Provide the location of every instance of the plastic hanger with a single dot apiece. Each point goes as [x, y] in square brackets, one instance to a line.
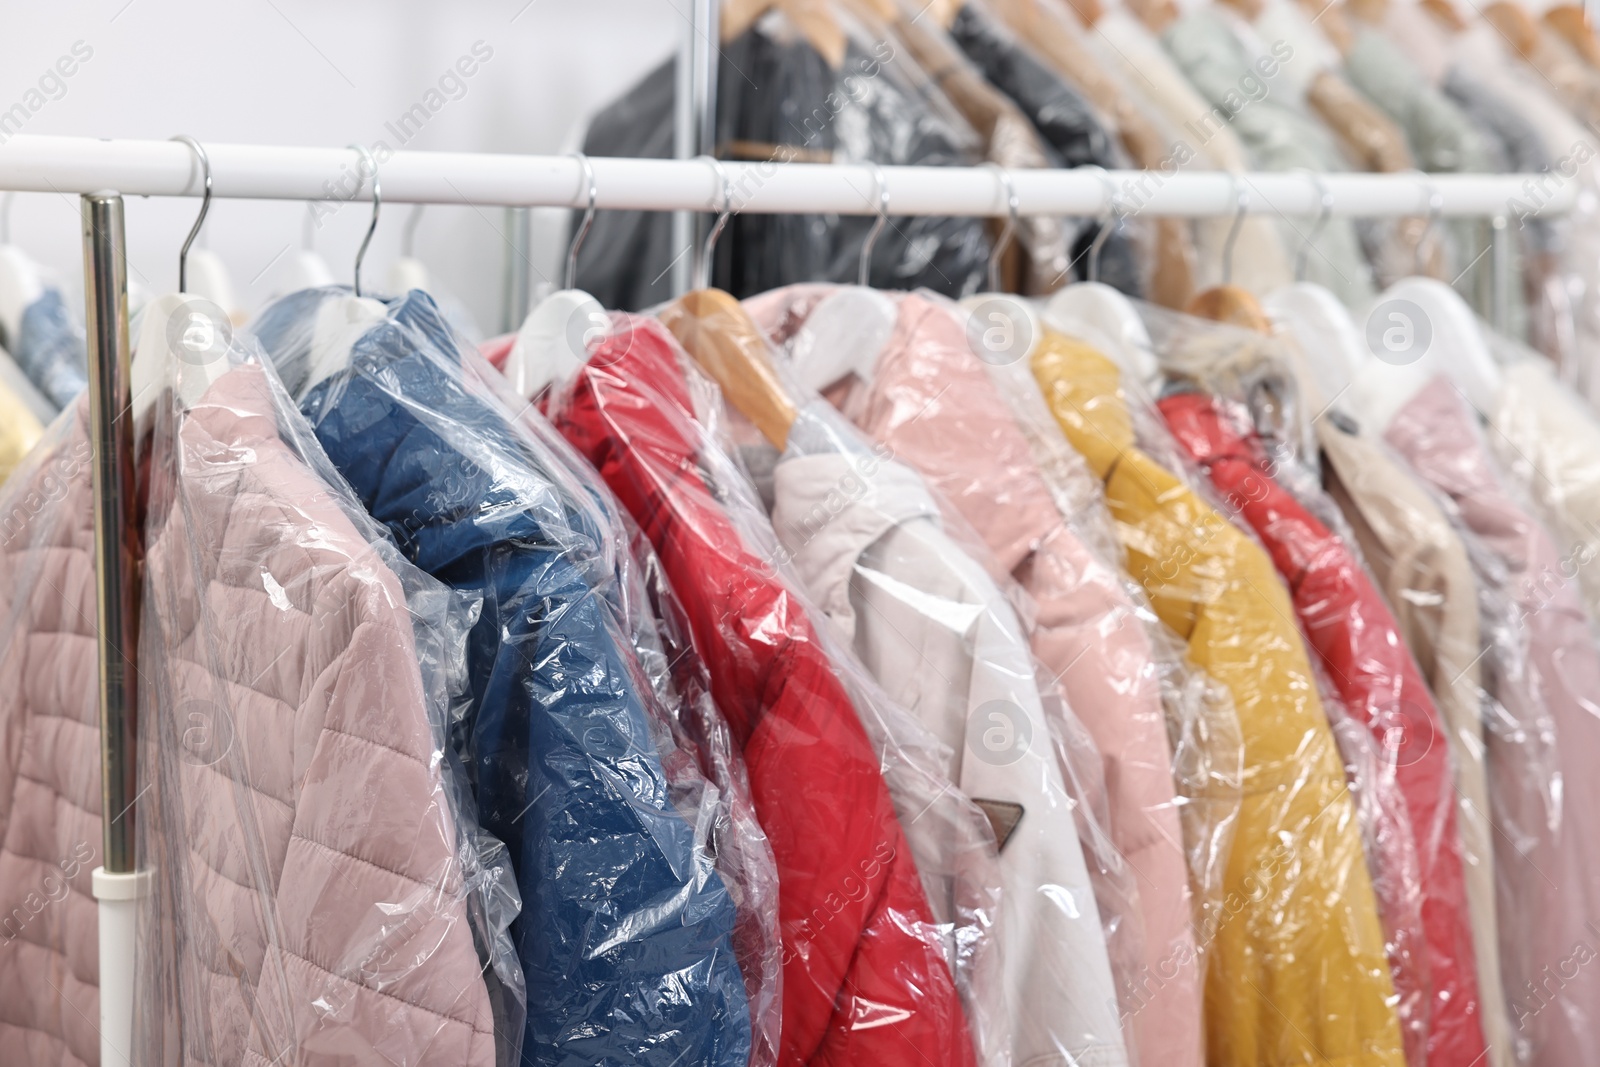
[1329, 352]
[1227, 302]
[179, 326]
[408, 272]
[848, 329]
[342, 320]
[996, 310]
[553, 343]
[21, 281]
[722, 338]
[1106, 316]
[1457, 350]
[212, 281]
[306, 268]
[1456, 346]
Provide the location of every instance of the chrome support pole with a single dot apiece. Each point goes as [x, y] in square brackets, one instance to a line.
[695, 128]
[117, 885]
[116, 536]
[1502, 272]
[517, 288]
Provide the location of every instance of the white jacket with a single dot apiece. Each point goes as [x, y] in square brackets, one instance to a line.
[866, 537]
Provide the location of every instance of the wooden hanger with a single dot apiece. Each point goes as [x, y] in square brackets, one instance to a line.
[1088, 12]
[815, 19]
[1249, 10]
[1369, 11]
[1515, 24]
[1061, 43]
[1227, 302]
[1156, 15]
[1570, 21]
[719, 335]
[1232, 305]
[1446, 13]
[1330, 18]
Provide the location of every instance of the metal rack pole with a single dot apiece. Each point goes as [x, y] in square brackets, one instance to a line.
[696, 125]
[1502, 272]
[116, 884]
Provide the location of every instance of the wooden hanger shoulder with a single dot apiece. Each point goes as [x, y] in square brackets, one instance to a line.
[722, 338]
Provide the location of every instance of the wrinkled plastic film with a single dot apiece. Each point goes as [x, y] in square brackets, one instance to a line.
[320, 885]
[1069, 124]
[710, 782]
[24, 413]
[889, 897]
[628, 930]
[50, 802]
[1543, 668]
[877, 106]
[1298, 888]
[1251, 434]
[1039, 261]
[1027, 497]
[894, 568]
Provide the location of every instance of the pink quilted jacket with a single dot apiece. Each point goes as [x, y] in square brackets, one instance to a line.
[298, 823]
[49, 757]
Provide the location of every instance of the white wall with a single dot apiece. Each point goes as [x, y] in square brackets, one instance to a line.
[321, 73]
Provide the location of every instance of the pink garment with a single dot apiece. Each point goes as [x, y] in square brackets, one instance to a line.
[50, 838]
[303, 840]
[933, 404]
[1549, 887]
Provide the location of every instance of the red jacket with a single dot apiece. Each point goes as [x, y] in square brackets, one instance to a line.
[1349, 626]
[865, 980]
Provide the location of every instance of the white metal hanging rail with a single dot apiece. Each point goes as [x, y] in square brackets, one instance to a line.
[167, 168]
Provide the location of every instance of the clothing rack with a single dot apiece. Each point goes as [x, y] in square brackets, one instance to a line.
[103, 172]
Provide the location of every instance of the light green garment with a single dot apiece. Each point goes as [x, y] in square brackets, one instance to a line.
[1443, 140]
[1277, 130]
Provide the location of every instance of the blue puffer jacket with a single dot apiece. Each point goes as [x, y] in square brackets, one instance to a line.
[49, 347]
[625, 931]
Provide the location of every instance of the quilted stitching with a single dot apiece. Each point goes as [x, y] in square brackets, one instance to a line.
[49, 758]
[330, 779]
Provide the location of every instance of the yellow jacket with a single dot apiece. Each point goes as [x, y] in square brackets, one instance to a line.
[19, 432]
[1298, 972]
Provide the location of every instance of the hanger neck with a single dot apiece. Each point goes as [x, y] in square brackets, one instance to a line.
[722, 338]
